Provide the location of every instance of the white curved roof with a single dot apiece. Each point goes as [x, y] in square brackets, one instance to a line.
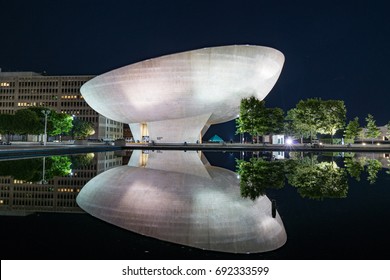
[187, 84]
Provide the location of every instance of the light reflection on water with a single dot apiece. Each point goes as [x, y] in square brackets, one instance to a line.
[331, 205]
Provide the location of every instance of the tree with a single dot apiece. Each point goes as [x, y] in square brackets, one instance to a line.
[82, 129]
[251, 110]
[319, 180]
[388, 131]
[274, 118]
[307, 116]
[332, 116]
[26, 122]
[58, 166]
[7, 125]
[256, 119]
[295, 127]
[353, 129]
[29, 169]
[257, 175]
[354, 166]
[57, 123]
[373, 167]
[372, 131]
[61, 123]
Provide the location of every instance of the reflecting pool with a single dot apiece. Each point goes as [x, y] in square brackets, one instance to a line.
[191, 205]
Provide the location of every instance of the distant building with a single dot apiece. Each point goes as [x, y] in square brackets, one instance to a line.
[19, 90]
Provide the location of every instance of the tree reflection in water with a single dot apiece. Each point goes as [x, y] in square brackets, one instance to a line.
[34, 169]
[257, 175]
[313, 179]
[356, 165]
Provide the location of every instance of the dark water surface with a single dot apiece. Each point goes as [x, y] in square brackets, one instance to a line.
[344, 215]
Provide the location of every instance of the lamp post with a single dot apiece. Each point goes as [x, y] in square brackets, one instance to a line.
[46, 113]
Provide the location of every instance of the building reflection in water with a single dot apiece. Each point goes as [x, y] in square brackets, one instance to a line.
[179, 197]
[29, 185]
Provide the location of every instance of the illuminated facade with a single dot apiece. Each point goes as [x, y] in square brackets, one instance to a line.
[175, 98]
[20, 90]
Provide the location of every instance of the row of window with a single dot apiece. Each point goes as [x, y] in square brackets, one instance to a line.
[74, 104]
[46, 84]
[7, 84]
[7, 111]
[6, 97]
[39, 84]
[7, 91]
[6, 104]
[34, 195]
[33, 104]
[34, 188]
[38, 97]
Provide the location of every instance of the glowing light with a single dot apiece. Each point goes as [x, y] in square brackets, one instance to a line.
[363, 144]
[289, 141]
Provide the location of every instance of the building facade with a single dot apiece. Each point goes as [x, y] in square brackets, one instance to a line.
[20, 90]
[176, 98]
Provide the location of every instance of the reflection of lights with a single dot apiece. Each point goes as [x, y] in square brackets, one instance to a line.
[378, 144]
[238, 176]
[289, 141]
[363, 144]
[1, 201]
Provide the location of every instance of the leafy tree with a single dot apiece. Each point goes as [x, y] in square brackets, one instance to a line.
[61, 123]
[319, 180]
[353, 129]
[256, 119]
[57, 123]
[257, 175]
[82, 129]
[274, 119]
[250, 112]
[7, 125]
[22, 169]
[57, 166]
[354, 167]
[373, 167]
[296, 127]
[333, 114]
[388, 131]
[313, 115]
[372, 131]
[26, 122]
[79, 161]
[307, 116]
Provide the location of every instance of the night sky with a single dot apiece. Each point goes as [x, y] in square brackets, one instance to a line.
[333, 49]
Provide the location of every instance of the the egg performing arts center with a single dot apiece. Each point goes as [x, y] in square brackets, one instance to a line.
[175, 98]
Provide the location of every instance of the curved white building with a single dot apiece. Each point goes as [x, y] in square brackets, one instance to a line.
[175, 98]
[179, 197]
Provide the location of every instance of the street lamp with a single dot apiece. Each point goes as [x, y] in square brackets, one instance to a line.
[46, 113]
